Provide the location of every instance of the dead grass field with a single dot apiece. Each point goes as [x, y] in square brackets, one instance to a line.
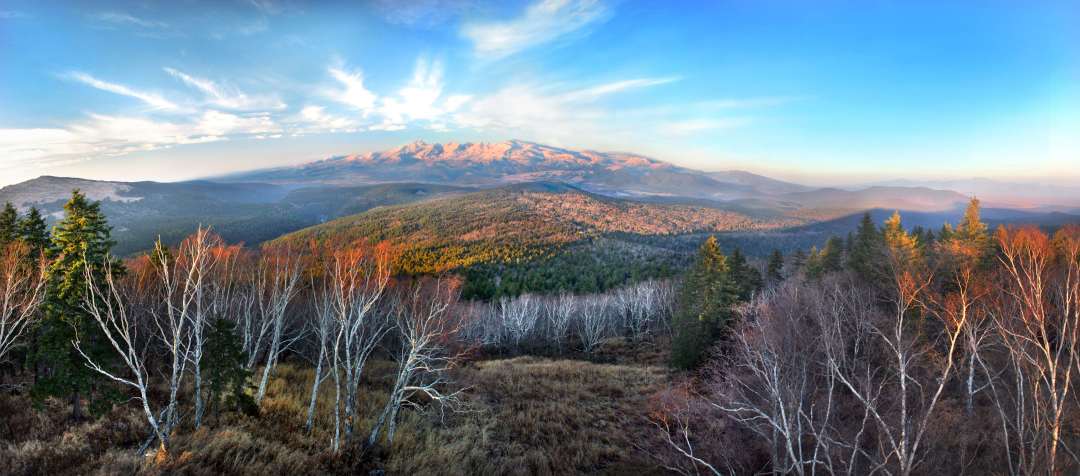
[522, 415]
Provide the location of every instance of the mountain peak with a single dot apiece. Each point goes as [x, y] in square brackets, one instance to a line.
[515, 161]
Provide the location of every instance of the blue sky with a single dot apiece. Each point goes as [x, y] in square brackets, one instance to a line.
[821, 92]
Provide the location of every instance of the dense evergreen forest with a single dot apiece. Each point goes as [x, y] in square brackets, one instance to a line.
[879, 349]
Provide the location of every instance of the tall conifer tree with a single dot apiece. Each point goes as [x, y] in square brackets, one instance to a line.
[775, 269]
[9, 224]
[705, 306]
[832, 257]
[864, 254]
[34, 231]
[82, 239]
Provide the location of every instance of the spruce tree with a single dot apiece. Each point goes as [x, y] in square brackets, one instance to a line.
[798, 259]
[705, 306]
[9, 224]
[225, 373]
[34, 231]
[864, 254]
[775, 269]
[814, 267]
[832, 257]
[746, 279]
[81, 240]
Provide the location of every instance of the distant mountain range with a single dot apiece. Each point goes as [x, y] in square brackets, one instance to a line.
[1040, 196]
[614, 174]
[263, 204]
[140, 212]
[484, 164]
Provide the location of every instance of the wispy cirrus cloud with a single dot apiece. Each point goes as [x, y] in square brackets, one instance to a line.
[123, 18]
[105, 135]
[542, 22]
[543, 110]
[596, 92]
[224, 96]
[554, 114]
[151, 99]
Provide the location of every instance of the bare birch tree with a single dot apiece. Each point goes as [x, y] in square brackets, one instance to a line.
[560, 311]
[105, 303]
[1038, 318]
[484, 325]
[277, 283]
[777, 384]
[172, 325]
[915, 380]
[519, 317]
[639, 305]
[356, 279]
[22, 288]
[594, 323]
[427, 330]
[324, 328]
[195, 263]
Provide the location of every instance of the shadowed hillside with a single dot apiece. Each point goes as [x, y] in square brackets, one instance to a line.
[140, 212]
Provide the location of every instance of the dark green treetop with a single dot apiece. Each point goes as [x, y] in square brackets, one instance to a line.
[80, 242]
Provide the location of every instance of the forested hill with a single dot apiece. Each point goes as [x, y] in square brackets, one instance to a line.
[527, 235]
[140, 212]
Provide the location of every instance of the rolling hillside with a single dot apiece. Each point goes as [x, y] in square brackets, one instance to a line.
[140, 212]
[493, 234]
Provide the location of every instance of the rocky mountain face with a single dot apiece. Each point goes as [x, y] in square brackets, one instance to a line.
[480, 164]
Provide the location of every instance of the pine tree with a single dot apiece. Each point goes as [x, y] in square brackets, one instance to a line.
[226, 372]
[746, 278]
[705, 306]
[814, 268]
[946, 233]
[775, 270]
[864, 254]
[798, 259]
[34, 231]
[832, 257]
[82, 239]
[9, 224]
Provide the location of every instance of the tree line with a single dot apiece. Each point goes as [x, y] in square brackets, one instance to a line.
[894, 353]
[196, 329]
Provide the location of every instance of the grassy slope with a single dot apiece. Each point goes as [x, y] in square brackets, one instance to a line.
[524, 415]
